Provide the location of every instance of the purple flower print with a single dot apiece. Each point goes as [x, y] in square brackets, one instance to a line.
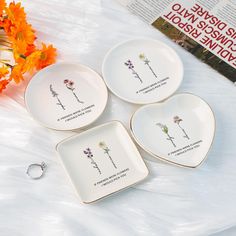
[130, 66]
[177, 120]
[89, 155]
[147, 62]
[55, 94]
[88, 152]
[70, 85]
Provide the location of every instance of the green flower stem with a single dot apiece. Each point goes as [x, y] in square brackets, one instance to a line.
[171, 139]
[152, 70]
[95, 165]
[77, 97]
[136, 75]
[185, 134]
[72, 90]
[59, 103]
[107, 152]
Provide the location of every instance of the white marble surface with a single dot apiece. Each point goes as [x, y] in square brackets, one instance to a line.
[172, 201]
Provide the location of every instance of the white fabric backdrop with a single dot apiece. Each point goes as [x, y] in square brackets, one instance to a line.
[172, 201]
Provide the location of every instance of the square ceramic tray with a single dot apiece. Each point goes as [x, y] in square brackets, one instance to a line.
[101, 161]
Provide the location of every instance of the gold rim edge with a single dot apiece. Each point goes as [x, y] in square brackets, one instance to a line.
[163, 158]
[98, 126]
[75, 129]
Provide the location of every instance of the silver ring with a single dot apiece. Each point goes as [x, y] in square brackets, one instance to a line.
[39, 167]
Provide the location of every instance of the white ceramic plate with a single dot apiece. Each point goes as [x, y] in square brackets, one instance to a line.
[179, 130]
[66, 96]
[142, 71]
[102, 161]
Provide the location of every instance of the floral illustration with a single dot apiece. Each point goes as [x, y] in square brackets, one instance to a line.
[165, 130]
[89, 155]
[177, 120]
[55, 94]
[70, 85]
[130, 66]
[147, 62]
[106, 151]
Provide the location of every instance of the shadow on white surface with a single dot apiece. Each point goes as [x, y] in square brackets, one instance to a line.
[172, 201]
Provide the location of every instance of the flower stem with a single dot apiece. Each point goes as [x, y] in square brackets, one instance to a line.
[6, 49]
[112, 161]
[107, 152]
[152, 70]
[59, 103]
[171, 139]
[5, 63]
[185, 134]
[77, 97]
[136, 75]
[95, 165]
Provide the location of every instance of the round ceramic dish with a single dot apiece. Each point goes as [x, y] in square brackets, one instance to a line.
[66, 96]
[179, 130]
[142, 71]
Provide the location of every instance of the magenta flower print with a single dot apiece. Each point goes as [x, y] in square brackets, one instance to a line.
[147, 63]
[55, 94]
[89, 155]
[177, 120]
[130, 66]
[70, 85]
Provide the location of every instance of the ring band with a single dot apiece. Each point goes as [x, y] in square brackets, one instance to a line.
[42, 167]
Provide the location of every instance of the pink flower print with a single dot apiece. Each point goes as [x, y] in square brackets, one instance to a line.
[70, 85]
[177, 120]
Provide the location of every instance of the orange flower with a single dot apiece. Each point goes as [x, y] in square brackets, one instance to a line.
[3, 84]
[16, 73]
[47, 56]
[2, 6]
[22, 32]
[40, 58]
[6, 24]
[31, 61]
[15, 13]
[19, 37]
[19, 48]
[30, 49]
[3, 71]
[14, 17]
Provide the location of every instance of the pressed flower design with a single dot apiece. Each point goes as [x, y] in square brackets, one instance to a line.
[106, 151]
[89, 155]
[165, 130]
[177, 120]
[70, 85]
[147, 62]
[130, 66]
[55, 94]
